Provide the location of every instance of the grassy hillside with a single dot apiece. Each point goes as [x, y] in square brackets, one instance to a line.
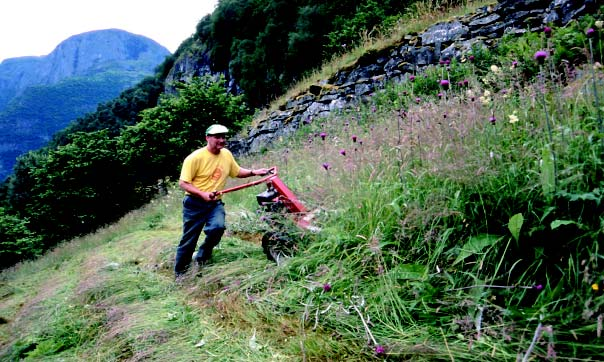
[460, 218]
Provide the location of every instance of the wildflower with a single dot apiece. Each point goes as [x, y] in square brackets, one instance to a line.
[595, 287]
[492, 119]
[326, 166]
[412, 78]
[590, 33]
[373, 109]
[471, 58]
[417, 100]
[379, 349]
[354, 138]
[599, 24]
[444, 83]
[547, 31]
[513, 118]
[538, 286]
[440, 95]
[323, 135]
[343, 152]
[485, 98]
[514, 64]
[495, 69]
[540, 56]
[326, 287]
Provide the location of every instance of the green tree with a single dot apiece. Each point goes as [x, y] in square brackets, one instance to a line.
[18, 242]
[77, 188]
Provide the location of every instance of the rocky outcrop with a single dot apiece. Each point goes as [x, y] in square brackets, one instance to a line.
[441, 41]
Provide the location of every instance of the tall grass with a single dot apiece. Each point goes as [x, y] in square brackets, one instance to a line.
[458, 223]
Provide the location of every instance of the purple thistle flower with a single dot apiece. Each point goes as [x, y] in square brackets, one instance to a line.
[547, 31]
[326, 287]
[418, 99]
[379, 349]
[440, 95]
[412, 78]
[326, 166]
[590, 33]
[323, 135]
[492, 119]
[472, 58]
[466, 82]
[540, 56]
[444, 83]
[538, 287]
[343, 152]
[354, 138]
[514, 64]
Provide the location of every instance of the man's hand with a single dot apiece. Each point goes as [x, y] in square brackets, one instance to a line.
[208, 196]
[261, 171]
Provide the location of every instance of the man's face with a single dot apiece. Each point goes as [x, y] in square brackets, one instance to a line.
[216, 142]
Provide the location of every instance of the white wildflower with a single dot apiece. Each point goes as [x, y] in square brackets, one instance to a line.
[513, 118]
[485, 99]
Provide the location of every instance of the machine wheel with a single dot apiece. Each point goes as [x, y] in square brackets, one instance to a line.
[277, 245]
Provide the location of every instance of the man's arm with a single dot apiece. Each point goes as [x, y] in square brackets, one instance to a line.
[244, 172]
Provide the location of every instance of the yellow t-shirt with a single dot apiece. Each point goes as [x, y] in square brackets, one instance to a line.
[207, 171]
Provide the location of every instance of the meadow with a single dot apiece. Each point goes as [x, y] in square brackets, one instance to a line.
[459, 215]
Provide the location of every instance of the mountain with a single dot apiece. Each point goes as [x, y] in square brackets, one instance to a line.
[41, 95]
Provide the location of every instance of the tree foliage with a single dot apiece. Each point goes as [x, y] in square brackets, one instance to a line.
[266, 45]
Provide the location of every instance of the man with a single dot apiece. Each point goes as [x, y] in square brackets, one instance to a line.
[203, 172]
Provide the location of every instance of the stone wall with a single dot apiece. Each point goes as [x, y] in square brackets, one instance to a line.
[445, 40]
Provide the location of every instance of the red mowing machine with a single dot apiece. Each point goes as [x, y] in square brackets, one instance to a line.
[278, 201]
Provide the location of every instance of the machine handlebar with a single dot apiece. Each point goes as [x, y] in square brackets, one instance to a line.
[272, 173]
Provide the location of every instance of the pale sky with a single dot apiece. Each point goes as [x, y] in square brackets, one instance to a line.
[36, 27]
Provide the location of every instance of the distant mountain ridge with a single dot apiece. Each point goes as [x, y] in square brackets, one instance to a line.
[42, 95]
[80, 55]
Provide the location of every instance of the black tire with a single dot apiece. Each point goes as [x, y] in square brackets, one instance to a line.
[277, 245]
